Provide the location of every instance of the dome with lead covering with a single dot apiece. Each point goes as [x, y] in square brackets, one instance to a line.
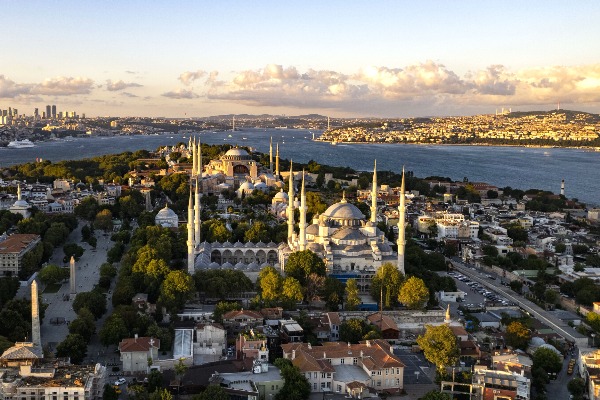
[344, 213]
[237, 154]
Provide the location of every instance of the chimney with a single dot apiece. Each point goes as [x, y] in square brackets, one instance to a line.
[135, 337]
[293, 354]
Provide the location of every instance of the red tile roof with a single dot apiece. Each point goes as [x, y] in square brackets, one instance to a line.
[138, 344]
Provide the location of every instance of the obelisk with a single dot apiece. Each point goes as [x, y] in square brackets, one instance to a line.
[72, 276]
[36, 336]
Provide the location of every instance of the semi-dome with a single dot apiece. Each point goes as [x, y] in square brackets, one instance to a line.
[237, 154]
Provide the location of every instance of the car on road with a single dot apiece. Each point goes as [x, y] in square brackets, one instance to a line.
[120, 381]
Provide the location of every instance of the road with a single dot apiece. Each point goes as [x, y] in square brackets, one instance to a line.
[542, 315]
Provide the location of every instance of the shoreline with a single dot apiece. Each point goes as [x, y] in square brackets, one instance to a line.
[590, 148]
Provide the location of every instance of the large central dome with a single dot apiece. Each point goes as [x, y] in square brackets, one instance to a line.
[343, 210]
[237, 154]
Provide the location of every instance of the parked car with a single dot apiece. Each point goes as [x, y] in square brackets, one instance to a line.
[120, 381]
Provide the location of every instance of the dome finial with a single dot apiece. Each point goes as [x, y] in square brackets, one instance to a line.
[344, 197]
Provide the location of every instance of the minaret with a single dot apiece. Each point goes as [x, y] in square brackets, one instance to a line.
[197, 215]
[194, 165]
[290, 207]
[374, 196]
[190, 238]
[271, 154]
[19, 194]
[36, 336]
[277, 161]
[401, 222]
[199, 163]
[562, 187]
[448, 318]
[302, 223]
[73, 284]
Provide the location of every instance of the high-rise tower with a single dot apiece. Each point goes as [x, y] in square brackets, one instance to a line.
[401, 222]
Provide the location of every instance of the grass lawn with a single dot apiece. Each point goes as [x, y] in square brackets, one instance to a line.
[53, 288]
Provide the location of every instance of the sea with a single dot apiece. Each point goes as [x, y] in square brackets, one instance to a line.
[517, 167]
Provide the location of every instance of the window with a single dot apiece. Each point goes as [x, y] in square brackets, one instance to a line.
[315, 386]
[329, 375]
[342, 361]
[315, 375]
[322, 385]
[322, 375]
[354, 361]
[379, 383]
[339, 388]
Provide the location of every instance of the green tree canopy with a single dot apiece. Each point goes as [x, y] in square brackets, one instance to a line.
[303, 263]
[517, 335]
[352, 295]
[176, 289]
[103, 220]
[52, 274]
[387, 281]
[74, 346]
[547, 359]
[296, 386]
[413, 293]
[93, 301]
[440, 346]
[212, 392]
[83, 325]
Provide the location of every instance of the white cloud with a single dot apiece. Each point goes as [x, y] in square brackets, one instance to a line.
[9, 89]
[180, 94]
[188, 77]
[119, 85]
[64, 86]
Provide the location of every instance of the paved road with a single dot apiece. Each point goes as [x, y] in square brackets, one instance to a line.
[87, 275]
[542, 315]
[557, 389]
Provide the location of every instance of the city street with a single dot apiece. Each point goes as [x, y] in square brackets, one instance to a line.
[543, 316]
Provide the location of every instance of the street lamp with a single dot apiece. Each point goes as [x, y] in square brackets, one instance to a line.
[593, 340]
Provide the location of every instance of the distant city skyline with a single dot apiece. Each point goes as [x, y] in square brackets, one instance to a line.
[337, 58]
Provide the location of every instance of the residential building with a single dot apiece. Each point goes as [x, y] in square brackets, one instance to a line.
[136, 351]
[12, 251]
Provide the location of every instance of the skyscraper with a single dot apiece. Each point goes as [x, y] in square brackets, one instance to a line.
[48, 111]
[54, 111]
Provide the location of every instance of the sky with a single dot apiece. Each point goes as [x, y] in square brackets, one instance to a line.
[345, 58]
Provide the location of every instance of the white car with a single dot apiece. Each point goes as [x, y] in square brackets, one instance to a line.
[120, 381]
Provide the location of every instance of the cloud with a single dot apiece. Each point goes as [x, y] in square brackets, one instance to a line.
[9, 89]
[180, 94]
[63, 86]
[127, 94]
[131, 72]
[429, 85]
[119, 85]
[190, 76]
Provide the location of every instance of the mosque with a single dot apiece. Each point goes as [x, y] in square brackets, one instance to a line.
[350, 245]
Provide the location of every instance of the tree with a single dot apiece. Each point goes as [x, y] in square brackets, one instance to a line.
[352, 296]
[333, 293]
[213, 392]
[176, 289]
[517, 335]
[303, 263]
[439, 346]
[296, 386]
[103, 220]
[352, 330]
[547, 359]
[154, 380]
[93, 301]
[109, 393]
[113, 330]
[84, 325]
[436, 395]
[314, 285]
[161, 394]
[517, 286]
[576, 387]
[258, 232]
[52, 274]
[71, 249]
[5, 344]
[269, 284]
[74, 346]
[292, 290]
[413, 293]
[387, 281]
[87, 209]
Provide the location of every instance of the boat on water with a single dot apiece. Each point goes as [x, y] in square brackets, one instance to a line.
[281, 127]
[333, 143]
[20, 144]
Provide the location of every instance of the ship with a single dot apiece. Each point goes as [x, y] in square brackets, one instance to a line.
[20, 144]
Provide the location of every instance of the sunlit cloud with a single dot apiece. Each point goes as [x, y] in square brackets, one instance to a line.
[180, 94]
[188, 77]
[64, 86]
[119, 85]
[9, 89]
